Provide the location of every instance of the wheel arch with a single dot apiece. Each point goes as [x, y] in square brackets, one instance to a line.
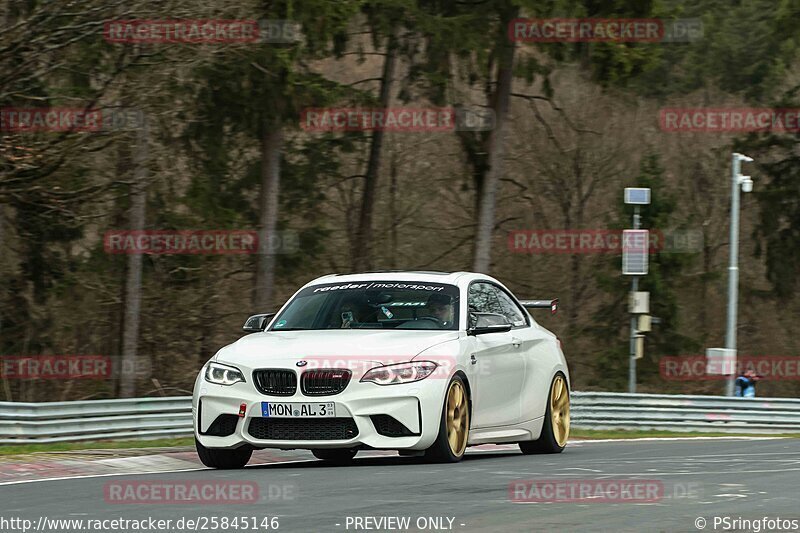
[465, 380]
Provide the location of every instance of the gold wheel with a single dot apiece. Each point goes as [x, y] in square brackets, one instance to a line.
[457, 418]
[559, 410]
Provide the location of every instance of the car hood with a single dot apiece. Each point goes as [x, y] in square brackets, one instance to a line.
[279, 348]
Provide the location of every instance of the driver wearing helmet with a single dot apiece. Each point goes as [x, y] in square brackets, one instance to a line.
[440, 307]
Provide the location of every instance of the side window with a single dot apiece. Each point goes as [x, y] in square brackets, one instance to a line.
[482, 298]
[509, 308]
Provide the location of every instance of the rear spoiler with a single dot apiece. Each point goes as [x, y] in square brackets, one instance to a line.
[541, 304]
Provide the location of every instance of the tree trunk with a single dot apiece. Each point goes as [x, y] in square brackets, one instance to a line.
[271, 147]
[708, 268]
[393, 213]
[576, 287]
[495, 150]
[6, 386]
[133, 283]
[362, 245]
[206, 347]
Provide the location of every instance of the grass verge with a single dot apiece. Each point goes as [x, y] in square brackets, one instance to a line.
[626, 434]
[94, 445]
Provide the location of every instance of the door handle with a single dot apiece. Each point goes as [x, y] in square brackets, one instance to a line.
[473, 359]
[515, 342]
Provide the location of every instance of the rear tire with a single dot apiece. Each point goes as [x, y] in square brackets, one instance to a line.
[555, 428]
[339, 456]
[451, 442]
[224, 459]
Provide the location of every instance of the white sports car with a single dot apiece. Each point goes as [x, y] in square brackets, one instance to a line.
[425, 363]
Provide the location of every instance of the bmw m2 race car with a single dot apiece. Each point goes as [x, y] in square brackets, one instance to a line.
[425, 363]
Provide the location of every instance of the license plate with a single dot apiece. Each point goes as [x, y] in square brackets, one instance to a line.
[297, 410]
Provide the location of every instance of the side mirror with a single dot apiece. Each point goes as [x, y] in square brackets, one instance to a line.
[481, 323]
[257, 323]
[494, 328]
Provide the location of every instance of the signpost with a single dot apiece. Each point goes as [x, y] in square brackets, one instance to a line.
[635, 252]
[637, 196]
[635, 262]
[720, 362]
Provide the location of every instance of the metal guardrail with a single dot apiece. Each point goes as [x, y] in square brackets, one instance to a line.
[148, 418]
[135, 418]
[667, 412]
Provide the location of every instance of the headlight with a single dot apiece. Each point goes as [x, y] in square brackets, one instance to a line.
[223, 374]
[400, 373]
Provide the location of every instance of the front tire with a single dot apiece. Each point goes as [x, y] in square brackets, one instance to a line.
[337, 455]
[451, 443]
[555, 429]
[223, 459]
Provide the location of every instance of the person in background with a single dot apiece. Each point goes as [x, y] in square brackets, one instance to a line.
[745, 385]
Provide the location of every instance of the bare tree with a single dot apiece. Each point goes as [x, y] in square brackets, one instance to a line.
[362, 244]
[495, 149]
[133, 280]
[271, 148]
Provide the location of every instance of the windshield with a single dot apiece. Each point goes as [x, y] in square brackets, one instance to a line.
[372, 305]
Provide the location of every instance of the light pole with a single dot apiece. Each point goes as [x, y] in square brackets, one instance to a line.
[746, 183]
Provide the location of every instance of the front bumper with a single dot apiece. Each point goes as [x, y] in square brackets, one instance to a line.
[415, 405]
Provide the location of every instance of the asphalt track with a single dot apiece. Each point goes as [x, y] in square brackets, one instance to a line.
[747, 478]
